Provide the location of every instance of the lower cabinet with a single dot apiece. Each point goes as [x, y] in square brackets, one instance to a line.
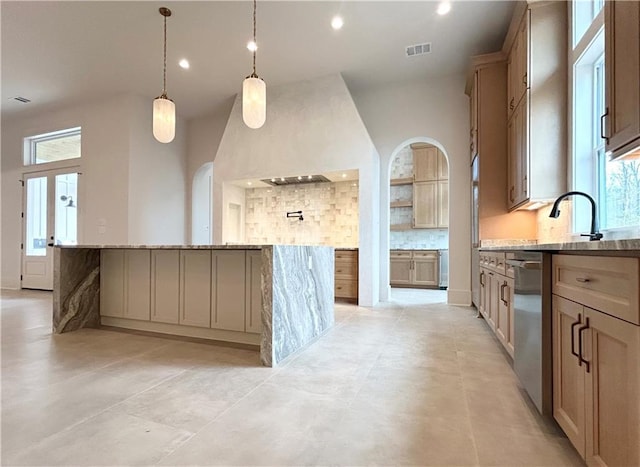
[496, 297]
[596, 364]
[125, 283]
[346, 274]
[414, 268]
[219, 289]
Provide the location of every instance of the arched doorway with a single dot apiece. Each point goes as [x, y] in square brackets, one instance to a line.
[201, 205]
[418, 246]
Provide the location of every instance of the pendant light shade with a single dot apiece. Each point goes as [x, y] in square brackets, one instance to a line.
[164, 119]
[164, 110]
[254, 90]
[254, 102]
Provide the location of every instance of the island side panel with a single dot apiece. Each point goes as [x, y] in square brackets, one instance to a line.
[76, 289]
[266, 338]
[303, 297]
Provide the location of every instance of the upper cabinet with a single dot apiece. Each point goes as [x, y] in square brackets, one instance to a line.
[621, 121]
[537, 104]
[518, 65]
[429, 164]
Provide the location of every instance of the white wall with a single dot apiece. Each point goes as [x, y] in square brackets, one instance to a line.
[157, 181]
[312, 127]
[103, 195]
[233, 194]
[121, 170]
[203, 138]
[435, 111]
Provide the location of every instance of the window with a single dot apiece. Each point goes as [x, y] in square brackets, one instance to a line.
[52, 147]
[584, 13]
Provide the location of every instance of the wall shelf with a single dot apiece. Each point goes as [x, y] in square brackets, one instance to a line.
[401, 204]
[401, 227]
[401, 181]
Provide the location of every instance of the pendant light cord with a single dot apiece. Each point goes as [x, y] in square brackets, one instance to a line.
[164, 69]
[254, 75]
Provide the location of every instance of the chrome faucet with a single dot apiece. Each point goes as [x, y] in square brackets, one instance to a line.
[555, 212]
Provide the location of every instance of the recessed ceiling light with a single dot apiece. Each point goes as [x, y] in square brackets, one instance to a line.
[252, 46]
[249, 183]
[310, 177]
[344, 175]
[282, 179]
[444, 8]
[184, 63]
[273, 180]
[337, 22]
[299, 177]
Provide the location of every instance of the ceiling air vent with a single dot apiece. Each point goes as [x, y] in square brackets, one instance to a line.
[418, 49]
[296, 180]
[24, 100]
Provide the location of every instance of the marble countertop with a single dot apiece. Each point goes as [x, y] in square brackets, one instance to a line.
[166, 247]
[602, 245]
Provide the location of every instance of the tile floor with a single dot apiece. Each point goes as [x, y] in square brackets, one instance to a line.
[411, 382]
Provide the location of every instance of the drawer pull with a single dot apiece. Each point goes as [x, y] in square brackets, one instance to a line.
[581, 359]
[582, 279]
[573, 340]
[339, 287]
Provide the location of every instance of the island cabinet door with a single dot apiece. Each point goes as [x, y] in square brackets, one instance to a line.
[228, 294]
[137, 284]
[195, 288]
[165, 286]
[112, 283]
[253, 292]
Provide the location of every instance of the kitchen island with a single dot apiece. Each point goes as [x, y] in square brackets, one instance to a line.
[277, 297]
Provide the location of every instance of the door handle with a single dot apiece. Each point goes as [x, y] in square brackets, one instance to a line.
[573, 339]
[502, 287]
[583, 328]
[481, 278]
[602, 133]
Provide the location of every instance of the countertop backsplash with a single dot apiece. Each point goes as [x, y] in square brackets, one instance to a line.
[419, 239]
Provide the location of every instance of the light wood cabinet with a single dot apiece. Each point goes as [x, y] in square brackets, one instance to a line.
[537, 105]
[195, 288]
[125, 284]
[415, 268]
[425, 163]
[400, 267]
[425, 205]
[346, 274]
[165, 286]
[622, 85]
[253, 292]
[596, 363]
[496, 297]
[228, 294]
[442, 204]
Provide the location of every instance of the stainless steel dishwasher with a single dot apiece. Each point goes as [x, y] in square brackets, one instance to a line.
[532, 325]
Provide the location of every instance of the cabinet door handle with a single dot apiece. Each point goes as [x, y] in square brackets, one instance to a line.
[524, 79]
[482, 278]
[580, 330]
[502, 287]
[511, 193]
[573, 339]
[602, 126]
[582, 279]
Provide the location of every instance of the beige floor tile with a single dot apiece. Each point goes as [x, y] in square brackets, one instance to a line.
[110, 439]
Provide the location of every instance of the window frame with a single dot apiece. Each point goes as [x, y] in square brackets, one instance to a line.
[30, 149]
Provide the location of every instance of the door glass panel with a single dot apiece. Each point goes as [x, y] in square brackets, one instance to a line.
[36, 225]
[66, 213]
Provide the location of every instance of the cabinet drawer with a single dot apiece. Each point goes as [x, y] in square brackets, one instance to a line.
[400, 253]
[425, 254]
[346, 270]
[346, 288]
[346, 255]
[603, 283]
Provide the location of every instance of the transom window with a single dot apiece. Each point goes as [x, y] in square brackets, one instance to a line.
[53, 147]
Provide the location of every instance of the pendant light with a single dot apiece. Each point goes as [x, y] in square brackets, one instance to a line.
[254, 91]
[164, 110]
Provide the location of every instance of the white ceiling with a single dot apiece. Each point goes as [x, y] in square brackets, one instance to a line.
[61, 53]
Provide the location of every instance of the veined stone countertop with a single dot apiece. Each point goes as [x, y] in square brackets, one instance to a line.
[601, 245]
[166, 247]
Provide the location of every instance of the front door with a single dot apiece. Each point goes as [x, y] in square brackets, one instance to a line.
[50, 208]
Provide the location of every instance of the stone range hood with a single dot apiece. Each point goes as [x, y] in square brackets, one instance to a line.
[312, 127]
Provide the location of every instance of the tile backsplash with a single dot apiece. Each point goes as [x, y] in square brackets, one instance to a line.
[330, 213]
[428, 239]
[556, 230]
[402, 165]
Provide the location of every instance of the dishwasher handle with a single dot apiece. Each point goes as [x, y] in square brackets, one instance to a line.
[525, 264]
